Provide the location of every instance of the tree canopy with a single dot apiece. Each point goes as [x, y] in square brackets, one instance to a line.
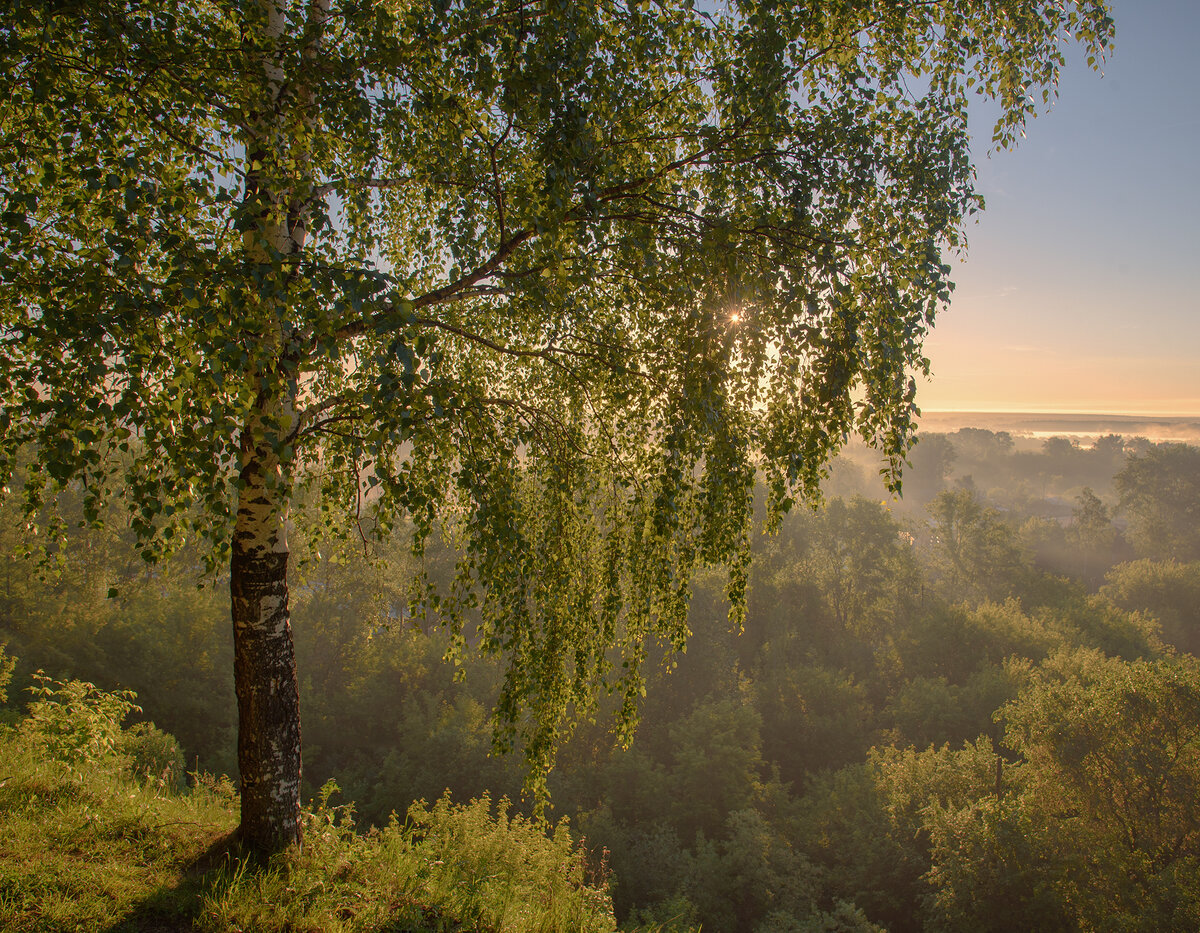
[557, 280]
[1160, 494]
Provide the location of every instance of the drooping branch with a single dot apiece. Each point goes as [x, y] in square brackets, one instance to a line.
[450, 291]
[467, 284]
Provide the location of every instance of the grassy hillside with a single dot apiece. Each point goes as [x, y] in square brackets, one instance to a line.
[99, 833]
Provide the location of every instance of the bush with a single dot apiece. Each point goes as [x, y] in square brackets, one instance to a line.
[79, 724]
[506, 868]
[152, 756]
[75, 721]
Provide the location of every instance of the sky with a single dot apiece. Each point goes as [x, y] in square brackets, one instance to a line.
[1080, 290]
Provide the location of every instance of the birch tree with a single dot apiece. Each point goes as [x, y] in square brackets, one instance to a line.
[557, 280]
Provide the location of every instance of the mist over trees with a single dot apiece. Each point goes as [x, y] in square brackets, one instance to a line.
[944, 712]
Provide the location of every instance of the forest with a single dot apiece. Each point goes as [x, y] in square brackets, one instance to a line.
[973, 707]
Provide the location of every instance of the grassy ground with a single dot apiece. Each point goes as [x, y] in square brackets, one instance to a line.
[94, 836]
[91, 849]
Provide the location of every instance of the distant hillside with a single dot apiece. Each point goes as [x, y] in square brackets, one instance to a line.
[1085, 427]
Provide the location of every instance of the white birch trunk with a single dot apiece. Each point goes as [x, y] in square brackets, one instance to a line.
[265, 680]
[264, 657]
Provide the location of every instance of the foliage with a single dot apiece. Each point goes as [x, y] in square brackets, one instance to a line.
[859, 559]
[1160, 492]
[524, 878]
[1168, 590]
[152, 756]
[717, 761]
[75, 721]
[1093, 622]
[1086, 548]
[80, 725]
[814, 717]
[1132, 801]
[979, 554]
[1090, 830]
[835, 583]
[752, 872]
[988, 872]
[933, 711]
[952, 642]
[930, 463]
[649, 865]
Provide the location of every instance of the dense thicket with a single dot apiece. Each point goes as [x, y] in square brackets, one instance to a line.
[975, 708]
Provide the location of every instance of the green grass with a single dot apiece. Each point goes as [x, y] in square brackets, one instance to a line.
[87, 846]
[447, 867]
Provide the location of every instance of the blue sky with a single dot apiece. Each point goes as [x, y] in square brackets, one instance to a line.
[1081, 287]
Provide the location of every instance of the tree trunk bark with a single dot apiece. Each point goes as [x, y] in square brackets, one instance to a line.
[265, 681]
[277, 205]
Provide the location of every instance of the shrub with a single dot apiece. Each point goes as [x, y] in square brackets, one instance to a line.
[75, 721]
[152, 756]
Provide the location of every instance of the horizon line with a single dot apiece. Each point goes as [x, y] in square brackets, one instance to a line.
[1060, 411]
